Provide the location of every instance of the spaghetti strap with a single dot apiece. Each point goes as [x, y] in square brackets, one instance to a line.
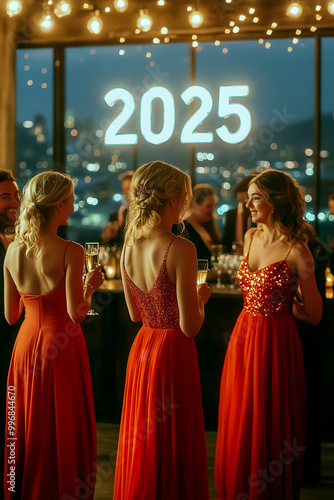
[250, 243]
[68, 244]
[168, 247]
[287, 255]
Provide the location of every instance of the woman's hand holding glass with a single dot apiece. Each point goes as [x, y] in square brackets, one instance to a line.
[94, 277]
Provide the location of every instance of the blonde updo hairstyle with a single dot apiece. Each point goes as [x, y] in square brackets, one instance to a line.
[40, 195]
[285, 197]
[152, 185]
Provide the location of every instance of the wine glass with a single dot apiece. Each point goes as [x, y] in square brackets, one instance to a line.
[92, 251]
[202, 271]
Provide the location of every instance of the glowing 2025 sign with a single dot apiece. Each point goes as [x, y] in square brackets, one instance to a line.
[188, 134]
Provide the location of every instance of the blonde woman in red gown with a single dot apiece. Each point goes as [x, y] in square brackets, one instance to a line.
[50, 428]
[261, 422]
[162, 450]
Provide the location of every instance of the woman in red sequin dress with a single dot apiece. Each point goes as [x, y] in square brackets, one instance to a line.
[161, 450]
[50, 428]
[261, 422]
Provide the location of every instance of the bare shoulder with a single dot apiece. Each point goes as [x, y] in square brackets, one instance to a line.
[14, 250]
[300, 255]
[300, 250]
[74, 249]
[247, 238]
[183, 246]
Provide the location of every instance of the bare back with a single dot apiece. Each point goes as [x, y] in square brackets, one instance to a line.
[40, 273]
[143, 260]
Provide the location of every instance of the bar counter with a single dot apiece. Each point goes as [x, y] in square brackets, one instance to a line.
[109, 337]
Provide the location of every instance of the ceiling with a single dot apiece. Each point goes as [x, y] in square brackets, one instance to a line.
[173, 15]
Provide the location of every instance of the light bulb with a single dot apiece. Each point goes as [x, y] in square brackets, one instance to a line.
[63, 9]
[121, 5]
[294, 10]
[46, 22]
[330, 7]
[196, 19]
[95, 24]
[14, 7]
[144, 22]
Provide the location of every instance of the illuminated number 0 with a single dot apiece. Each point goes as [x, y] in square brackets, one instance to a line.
[168, 115]
[111, 135]
[226, 109]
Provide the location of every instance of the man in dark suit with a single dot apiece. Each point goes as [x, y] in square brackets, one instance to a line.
[238, 220]
[9, 205]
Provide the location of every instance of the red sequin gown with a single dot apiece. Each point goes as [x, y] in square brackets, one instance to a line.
[261, 422]
[161, 450]
[50, 430]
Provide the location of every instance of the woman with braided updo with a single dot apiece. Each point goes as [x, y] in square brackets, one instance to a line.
[162, 450]
[262, 411]
[50, 407]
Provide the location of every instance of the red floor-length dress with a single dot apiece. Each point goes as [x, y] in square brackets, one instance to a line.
[53, 440]
[262, 405]
[162, 450]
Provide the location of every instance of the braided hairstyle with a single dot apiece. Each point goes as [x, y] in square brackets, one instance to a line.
[152, 185]
[40, 195]
[284, 195]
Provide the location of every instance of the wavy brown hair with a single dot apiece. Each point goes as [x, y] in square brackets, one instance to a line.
[152, 185]
[285, 197]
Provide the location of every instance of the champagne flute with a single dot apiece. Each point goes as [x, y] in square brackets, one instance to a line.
[92, 251]
[202, 270]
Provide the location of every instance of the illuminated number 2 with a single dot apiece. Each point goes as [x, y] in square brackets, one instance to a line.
[188, 135]
[111, 135]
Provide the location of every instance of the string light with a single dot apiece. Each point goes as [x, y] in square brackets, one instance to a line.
[95, 24]
[14, 7]
[196, 19]
[63, 9]
[251, 10]
[161, 2]
[121, 5]
[164, 30]
[46, 22]
[330, 7]
[255, 19]
[144, 22]
[294, 10]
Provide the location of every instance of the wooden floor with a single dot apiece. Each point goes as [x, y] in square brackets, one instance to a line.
[107, 436]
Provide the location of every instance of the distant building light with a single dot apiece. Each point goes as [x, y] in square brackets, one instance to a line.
[92, 201]
[223, 209]
[117, 197]
[28, 124]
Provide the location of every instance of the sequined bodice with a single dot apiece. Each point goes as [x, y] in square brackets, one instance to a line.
[158, 307]
[268, 291]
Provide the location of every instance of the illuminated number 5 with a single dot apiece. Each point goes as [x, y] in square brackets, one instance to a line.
[111, 135]
[226, 109]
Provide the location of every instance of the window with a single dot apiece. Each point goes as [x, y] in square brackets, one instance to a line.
[91, 73]
[280, 100]
[326, 220]
[34, 115]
